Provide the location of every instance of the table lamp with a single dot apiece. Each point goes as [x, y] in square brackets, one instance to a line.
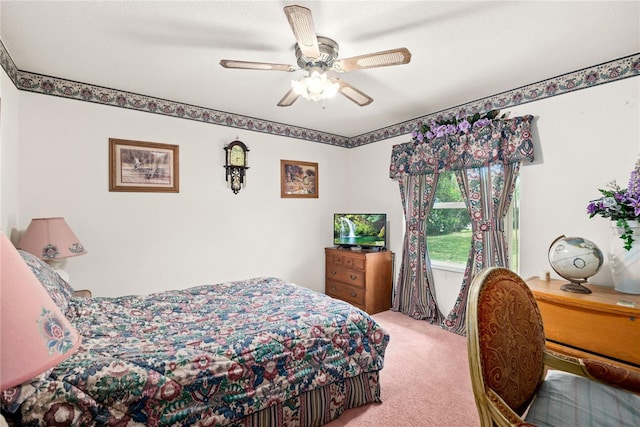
[51, 240]
[34, 334]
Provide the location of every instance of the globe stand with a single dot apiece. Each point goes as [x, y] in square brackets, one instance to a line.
[575, 287]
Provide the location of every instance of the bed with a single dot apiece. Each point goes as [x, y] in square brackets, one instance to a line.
[257, 352]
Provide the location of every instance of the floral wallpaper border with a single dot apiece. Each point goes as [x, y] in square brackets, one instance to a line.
[607, 72]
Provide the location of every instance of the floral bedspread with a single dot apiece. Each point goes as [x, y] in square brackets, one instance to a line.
[209, 354]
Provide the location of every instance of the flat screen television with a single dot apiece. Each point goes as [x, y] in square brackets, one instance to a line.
[367, 230]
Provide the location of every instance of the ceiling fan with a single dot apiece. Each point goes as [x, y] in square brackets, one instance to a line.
[316, 55]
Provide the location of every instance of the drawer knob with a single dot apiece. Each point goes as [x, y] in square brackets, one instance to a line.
[333, 288]
[333, 272]
[353, 277]
[353, 294]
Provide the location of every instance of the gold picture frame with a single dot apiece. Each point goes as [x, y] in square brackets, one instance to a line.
[143, 166]
[298, 179]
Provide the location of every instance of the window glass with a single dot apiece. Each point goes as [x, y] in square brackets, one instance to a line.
[512, 228]
[449, 226]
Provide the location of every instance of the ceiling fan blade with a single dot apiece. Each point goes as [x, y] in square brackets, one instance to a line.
[353, 94]
[288, 99]
[247, 65]
[301, 23]
[383, 58]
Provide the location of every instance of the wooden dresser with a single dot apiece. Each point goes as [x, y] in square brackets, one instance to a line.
[604, 324]
[363, 279]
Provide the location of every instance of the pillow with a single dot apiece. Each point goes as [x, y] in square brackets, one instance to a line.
[57, 288]
[569, 400]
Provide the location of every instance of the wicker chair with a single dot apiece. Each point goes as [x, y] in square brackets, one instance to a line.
[518, 382]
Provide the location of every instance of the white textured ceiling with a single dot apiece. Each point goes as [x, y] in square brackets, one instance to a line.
[461, 51]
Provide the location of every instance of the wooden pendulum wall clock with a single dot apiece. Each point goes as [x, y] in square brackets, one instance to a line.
[236, 164]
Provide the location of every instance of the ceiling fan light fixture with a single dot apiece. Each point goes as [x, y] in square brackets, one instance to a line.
[317, 54]
[316, 86]
[316, 82]
[331, 89]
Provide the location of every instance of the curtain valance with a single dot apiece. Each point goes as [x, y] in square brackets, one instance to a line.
[500, 141]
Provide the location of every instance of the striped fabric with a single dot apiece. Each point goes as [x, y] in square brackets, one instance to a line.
[570, 401]
[414, 291]
[318, 406]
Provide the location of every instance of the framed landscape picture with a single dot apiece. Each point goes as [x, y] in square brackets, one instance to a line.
[143, 166]
[298, 179]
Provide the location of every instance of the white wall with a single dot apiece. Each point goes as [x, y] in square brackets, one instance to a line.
[144, 242]
[373, 191]
[9, 106]
[583, 140]
[586, 139]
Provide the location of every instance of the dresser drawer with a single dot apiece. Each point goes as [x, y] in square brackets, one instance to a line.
[346, 260]
[350, 294]
[610, 334]
[345, 275]
[361, 278]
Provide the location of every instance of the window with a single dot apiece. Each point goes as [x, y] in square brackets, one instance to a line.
[449, 226]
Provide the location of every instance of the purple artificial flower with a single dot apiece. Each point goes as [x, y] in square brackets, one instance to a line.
[464, 126]
[454, 124]
[451, 130]
[634, 181]
[635, 205]
[481, 123]
[620, 205]
[440, 130]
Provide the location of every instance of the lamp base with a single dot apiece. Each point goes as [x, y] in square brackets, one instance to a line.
[575, 288]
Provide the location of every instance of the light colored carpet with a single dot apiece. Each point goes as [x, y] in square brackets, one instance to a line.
[425, 381]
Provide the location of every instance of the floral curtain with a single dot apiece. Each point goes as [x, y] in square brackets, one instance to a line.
[488, 192]
[417, 301]
[474, 154]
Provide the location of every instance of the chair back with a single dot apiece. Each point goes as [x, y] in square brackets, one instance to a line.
[505, 341]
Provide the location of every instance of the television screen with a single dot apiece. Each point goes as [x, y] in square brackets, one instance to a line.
[366, 230]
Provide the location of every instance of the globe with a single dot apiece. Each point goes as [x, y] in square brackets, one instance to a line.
[576, 259]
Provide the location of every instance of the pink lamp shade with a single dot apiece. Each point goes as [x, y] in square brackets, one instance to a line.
[50, 239]
[34, 334]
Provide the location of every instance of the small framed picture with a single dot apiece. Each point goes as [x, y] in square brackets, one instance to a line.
[298, 179]
[143, 166]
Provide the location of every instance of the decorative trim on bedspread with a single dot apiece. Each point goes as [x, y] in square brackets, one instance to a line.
[319, 406]
[313, 408]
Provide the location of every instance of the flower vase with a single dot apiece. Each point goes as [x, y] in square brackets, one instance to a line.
[625, 264]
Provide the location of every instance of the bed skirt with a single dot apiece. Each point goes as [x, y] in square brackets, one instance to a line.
[319, 406]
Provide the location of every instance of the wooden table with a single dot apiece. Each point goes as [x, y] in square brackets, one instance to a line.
[604, 324]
